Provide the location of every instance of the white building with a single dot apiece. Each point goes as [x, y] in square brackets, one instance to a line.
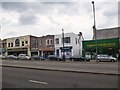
[72, 45]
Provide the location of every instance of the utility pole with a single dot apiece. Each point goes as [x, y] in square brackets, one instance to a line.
[94, 30]
[63, 57]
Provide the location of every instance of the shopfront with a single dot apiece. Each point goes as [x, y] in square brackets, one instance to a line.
[103, 46]
[67, 51]
[17, 51]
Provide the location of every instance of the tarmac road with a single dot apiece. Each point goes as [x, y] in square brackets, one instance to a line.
[31, 78]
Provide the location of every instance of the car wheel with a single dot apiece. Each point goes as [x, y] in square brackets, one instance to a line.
[98, 60]
[112, 60]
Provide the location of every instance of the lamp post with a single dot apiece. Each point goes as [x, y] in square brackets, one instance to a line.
[94, 29]
[63, 57]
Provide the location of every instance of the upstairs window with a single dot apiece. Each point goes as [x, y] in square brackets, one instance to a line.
[8, 44]
[76, 40]
[51, 41]
[17, 42]
[57, 40]
[11, 44]
[66, 40]
[26, 42]
[22, 43]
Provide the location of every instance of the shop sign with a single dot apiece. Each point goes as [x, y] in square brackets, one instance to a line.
[18, 49]
[102, 45]
[66, 49]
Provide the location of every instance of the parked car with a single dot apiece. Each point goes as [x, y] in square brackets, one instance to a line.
[54, 57]
[2, 57]
[79, 58]
[12, 57]
[24, 57]
[104, 57]
[37, 57]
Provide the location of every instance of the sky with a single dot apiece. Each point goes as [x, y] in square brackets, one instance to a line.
[49, 17]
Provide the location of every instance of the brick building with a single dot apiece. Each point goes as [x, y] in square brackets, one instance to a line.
[46, 45]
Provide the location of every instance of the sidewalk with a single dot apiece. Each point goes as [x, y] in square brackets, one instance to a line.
[68, 66]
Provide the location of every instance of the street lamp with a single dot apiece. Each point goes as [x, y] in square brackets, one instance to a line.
[94, 28]
[63, 57]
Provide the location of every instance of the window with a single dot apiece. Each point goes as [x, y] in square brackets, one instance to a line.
[8, 44]
[51, 41]
[11, 44]
[57, 40]
[22, 43]
[26, 42]
[34, 43]
[47, 41]
[40, 42]
[66, 40]
[17, 42]
[76, 40]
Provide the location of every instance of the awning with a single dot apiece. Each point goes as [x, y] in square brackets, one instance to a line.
[47, 49]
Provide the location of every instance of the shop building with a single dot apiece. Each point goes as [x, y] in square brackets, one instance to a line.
[107, 42]
[72, 45]
[22, 45]
[46, 45]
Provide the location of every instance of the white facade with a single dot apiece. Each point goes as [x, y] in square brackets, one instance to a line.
[73, 46]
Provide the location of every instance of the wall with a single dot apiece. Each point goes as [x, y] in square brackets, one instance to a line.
[108, 33]
[76, 47]
[21, 38]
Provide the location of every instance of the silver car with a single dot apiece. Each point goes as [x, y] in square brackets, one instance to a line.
[106, 58]
[12, 57]
[24, 57]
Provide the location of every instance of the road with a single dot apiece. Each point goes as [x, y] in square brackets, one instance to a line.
[101, 67]
[30, 78]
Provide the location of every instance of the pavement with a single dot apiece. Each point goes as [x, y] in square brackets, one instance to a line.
[106, 68]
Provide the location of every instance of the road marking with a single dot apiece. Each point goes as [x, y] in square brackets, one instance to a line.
[33, 81]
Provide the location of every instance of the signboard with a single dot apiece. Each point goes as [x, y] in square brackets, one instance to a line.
[102, 43]
[66, 49]
[17, 49]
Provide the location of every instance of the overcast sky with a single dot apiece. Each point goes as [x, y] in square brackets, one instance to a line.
[34, 17]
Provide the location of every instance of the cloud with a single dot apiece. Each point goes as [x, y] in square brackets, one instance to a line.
[42, 18]
[27, 20]
[119, 14]
[16, 6]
